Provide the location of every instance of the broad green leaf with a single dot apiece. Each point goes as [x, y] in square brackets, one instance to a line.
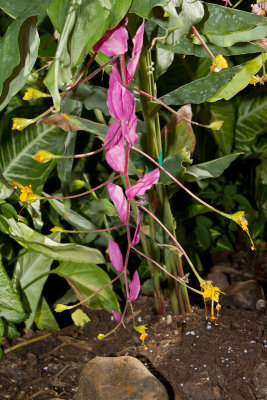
[18, 51]
[210, 169]
[32, 240]
[102, 206]
[226, 26]
[44, 318]
[15, 7]
[28, 267]
[10, 305]
[73, 218]
[178, 133]
[174, 165]
[91, 97]
[86, 279]
[200, 90]
[17, 149]
[240, 80]
[251, 122]
[173, 24]
[85, 22]
[186, 46]
[224, 111]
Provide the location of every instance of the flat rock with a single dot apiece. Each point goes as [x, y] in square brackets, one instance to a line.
[119, 378]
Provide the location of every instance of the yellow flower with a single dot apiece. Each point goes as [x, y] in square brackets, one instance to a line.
[100, 336]
[219, 63]
[34, 94]
[212, 292]
[61, 307]
[43, 156]
[141, 329]
[239, 218]
[56, 229]
[21, 123]
[216, 125]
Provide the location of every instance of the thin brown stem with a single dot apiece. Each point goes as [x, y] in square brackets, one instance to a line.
[202, 42]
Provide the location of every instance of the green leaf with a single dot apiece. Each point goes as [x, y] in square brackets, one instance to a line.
[85, 22]
[44, 318]
[80, 318]
[174, 165]
[10, 305]
[210, 169]
[200, 90]
[73, 218]
[35, 241]
[225, 26]
[186, 46]
[91, 97]
[16, 153]
[240, 80]
[87, 125]
[18, 51]
[14, 8]
[28, 267]
[173, 24]
[251, 122]
[224, 111]
[88, 278]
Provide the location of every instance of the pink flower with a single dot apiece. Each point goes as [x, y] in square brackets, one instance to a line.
[137, 48]
[114, 143]
[143, 184]
[116, 315]
[114, 41]
[134, 287]
[115, 255]
[136, 238]
[119, 200]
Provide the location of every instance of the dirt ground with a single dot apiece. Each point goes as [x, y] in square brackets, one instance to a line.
[191, 356]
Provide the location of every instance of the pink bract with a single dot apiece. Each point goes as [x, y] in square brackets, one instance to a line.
[134, 287]
[115, 255]
[114, 41]
[143, 184]
[119, 200]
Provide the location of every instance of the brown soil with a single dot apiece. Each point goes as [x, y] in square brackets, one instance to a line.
[191, 356]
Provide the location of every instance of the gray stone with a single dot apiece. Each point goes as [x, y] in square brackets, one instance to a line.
[119, 378]
[260, 381]
[244, 295]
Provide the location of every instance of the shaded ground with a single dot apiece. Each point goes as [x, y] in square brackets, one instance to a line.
[192, 357]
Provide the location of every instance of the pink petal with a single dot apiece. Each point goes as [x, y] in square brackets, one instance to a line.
[136, 238]
[134, 287]
[143, 184]
[113, 135]
[116, 315]
[129, 121]
[115, 156]
[115, 93]
[115, 255]
[119, 200]
[137, 48]
[114, 41]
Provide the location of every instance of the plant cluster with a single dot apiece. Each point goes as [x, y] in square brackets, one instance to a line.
[118, 74]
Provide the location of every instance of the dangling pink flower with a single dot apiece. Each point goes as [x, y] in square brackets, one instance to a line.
[115, 255]
[114, 142]
[114, 41]
[134, 287]
[137, 48]
[143, 184]
[119, 200]
[116, 315]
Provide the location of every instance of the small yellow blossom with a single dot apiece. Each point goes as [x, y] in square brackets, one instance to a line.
[239, 218]
[25, 192]
[100, 336]
[212, 292]
[21, 123]
[34, 94]
[141, 329]
[56, 229]
[61, 307]
[215, 125]
[43, 156]
[219, 63]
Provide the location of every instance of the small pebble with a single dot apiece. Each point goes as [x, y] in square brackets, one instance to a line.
[139, 319]
[245, 351]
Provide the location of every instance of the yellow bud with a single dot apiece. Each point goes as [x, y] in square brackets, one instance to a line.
[215, 125]
[78, 184]
[56, 229]
[21, 123]
[239, 218]
[254, 80]
[34, 94]
[43, 156]
[100, 336]
[61, 307]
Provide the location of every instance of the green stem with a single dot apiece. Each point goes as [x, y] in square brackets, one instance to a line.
[17, 346]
